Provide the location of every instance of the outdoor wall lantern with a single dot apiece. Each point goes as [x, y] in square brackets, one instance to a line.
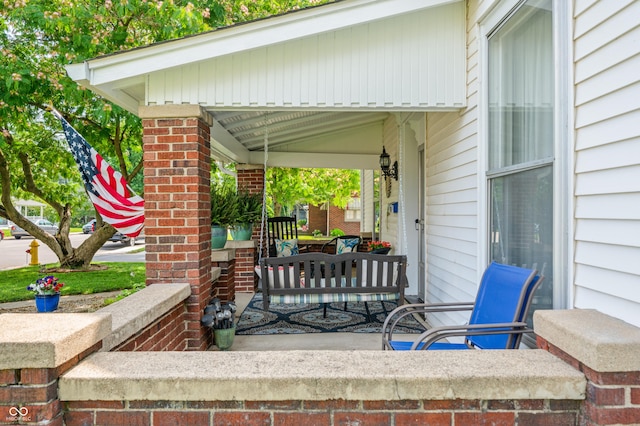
[385, 162]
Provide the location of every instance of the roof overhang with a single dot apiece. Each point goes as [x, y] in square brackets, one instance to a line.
[364, 58]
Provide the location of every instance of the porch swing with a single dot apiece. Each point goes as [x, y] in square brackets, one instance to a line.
[286, 227]
[282, 230]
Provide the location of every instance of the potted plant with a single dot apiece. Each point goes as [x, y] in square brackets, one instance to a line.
[379, 247]
[223, 207]
[47, 293]
[248, 211]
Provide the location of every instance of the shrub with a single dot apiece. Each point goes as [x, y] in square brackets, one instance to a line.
[337, 232]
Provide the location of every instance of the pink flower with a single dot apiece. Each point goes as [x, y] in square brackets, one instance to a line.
[373, 245]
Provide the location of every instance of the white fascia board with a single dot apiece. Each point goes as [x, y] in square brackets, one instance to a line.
[317, 160]
[80, 73]
[244, 37]
[220, 152]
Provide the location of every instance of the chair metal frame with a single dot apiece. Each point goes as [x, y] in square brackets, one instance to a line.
[523, 281]
[334, 242]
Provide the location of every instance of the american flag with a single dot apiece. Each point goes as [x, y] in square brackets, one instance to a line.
[107, 189]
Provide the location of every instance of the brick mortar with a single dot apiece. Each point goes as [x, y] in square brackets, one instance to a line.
[593, 413]
[179, 142]
[295, 409]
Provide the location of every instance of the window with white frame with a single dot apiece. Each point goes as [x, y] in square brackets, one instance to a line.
[353, 212]
[521, 142]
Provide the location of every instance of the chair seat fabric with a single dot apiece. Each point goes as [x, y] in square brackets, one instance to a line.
[398, 345]
[501, 304]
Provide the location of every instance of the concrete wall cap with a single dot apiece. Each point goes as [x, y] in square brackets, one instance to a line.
[245, 166]
[135, 312]
[215, 273]
[601, 342]
[321, 375]
[174, 111]
[241, 244]
[223, 254]
[48, 340]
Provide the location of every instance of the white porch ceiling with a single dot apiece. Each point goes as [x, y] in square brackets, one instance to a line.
[293, 135]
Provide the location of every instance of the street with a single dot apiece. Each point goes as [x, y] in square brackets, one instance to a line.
[13, 253]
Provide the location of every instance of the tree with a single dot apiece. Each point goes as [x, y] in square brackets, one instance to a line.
[289, 186]
[37, 39]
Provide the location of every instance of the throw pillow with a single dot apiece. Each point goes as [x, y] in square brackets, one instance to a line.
[346, 245]
[280, 276]
[287, 247]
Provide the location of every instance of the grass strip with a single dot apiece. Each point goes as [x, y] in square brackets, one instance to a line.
[117, 276]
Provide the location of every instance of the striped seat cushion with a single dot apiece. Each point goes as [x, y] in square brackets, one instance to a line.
[333, 297]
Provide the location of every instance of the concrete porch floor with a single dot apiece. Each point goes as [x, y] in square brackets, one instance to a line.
[309, 341]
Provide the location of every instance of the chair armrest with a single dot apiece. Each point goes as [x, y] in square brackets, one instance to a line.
[400, 312]
[438, 333]
[304, 248]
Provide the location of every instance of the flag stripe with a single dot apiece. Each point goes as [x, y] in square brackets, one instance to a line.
[106, 187]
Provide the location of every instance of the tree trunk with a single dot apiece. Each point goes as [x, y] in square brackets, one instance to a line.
[80, 257]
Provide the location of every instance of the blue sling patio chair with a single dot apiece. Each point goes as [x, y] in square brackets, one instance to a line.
[497, 319]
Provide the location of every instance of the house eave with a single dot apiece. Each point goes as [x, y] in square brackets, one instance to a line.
[277, 29]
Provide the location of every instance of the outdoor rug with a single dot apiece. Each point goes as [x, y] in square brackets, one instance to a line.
[308, 318]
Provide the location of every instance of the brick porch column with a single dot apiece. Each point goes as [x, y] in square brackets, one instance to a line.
[177, 167]
[250, 177]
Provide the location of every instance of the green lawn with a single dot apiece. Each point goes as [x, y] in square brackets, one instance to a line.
[118, 276]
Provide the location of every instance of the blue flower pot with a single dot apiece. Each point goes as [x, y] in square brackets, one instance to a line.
[47, 302]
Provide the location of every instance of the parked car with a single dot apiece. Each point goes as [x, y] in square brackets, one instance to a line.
[43, 224]
[89, 227]
[119, 237]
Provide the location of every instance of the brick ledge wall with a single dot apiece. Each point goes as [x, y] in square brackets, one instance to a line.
[323, 387]
[559, 384]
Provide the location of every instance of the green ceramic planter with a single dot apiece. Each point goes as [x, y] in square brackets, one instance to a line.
[242, 231]
[218, 237]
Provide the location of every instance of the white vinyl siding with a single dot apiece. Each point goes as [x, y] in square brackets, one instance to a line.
[452, 194]
[403, 62]
[607, 162]
[451, 227]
